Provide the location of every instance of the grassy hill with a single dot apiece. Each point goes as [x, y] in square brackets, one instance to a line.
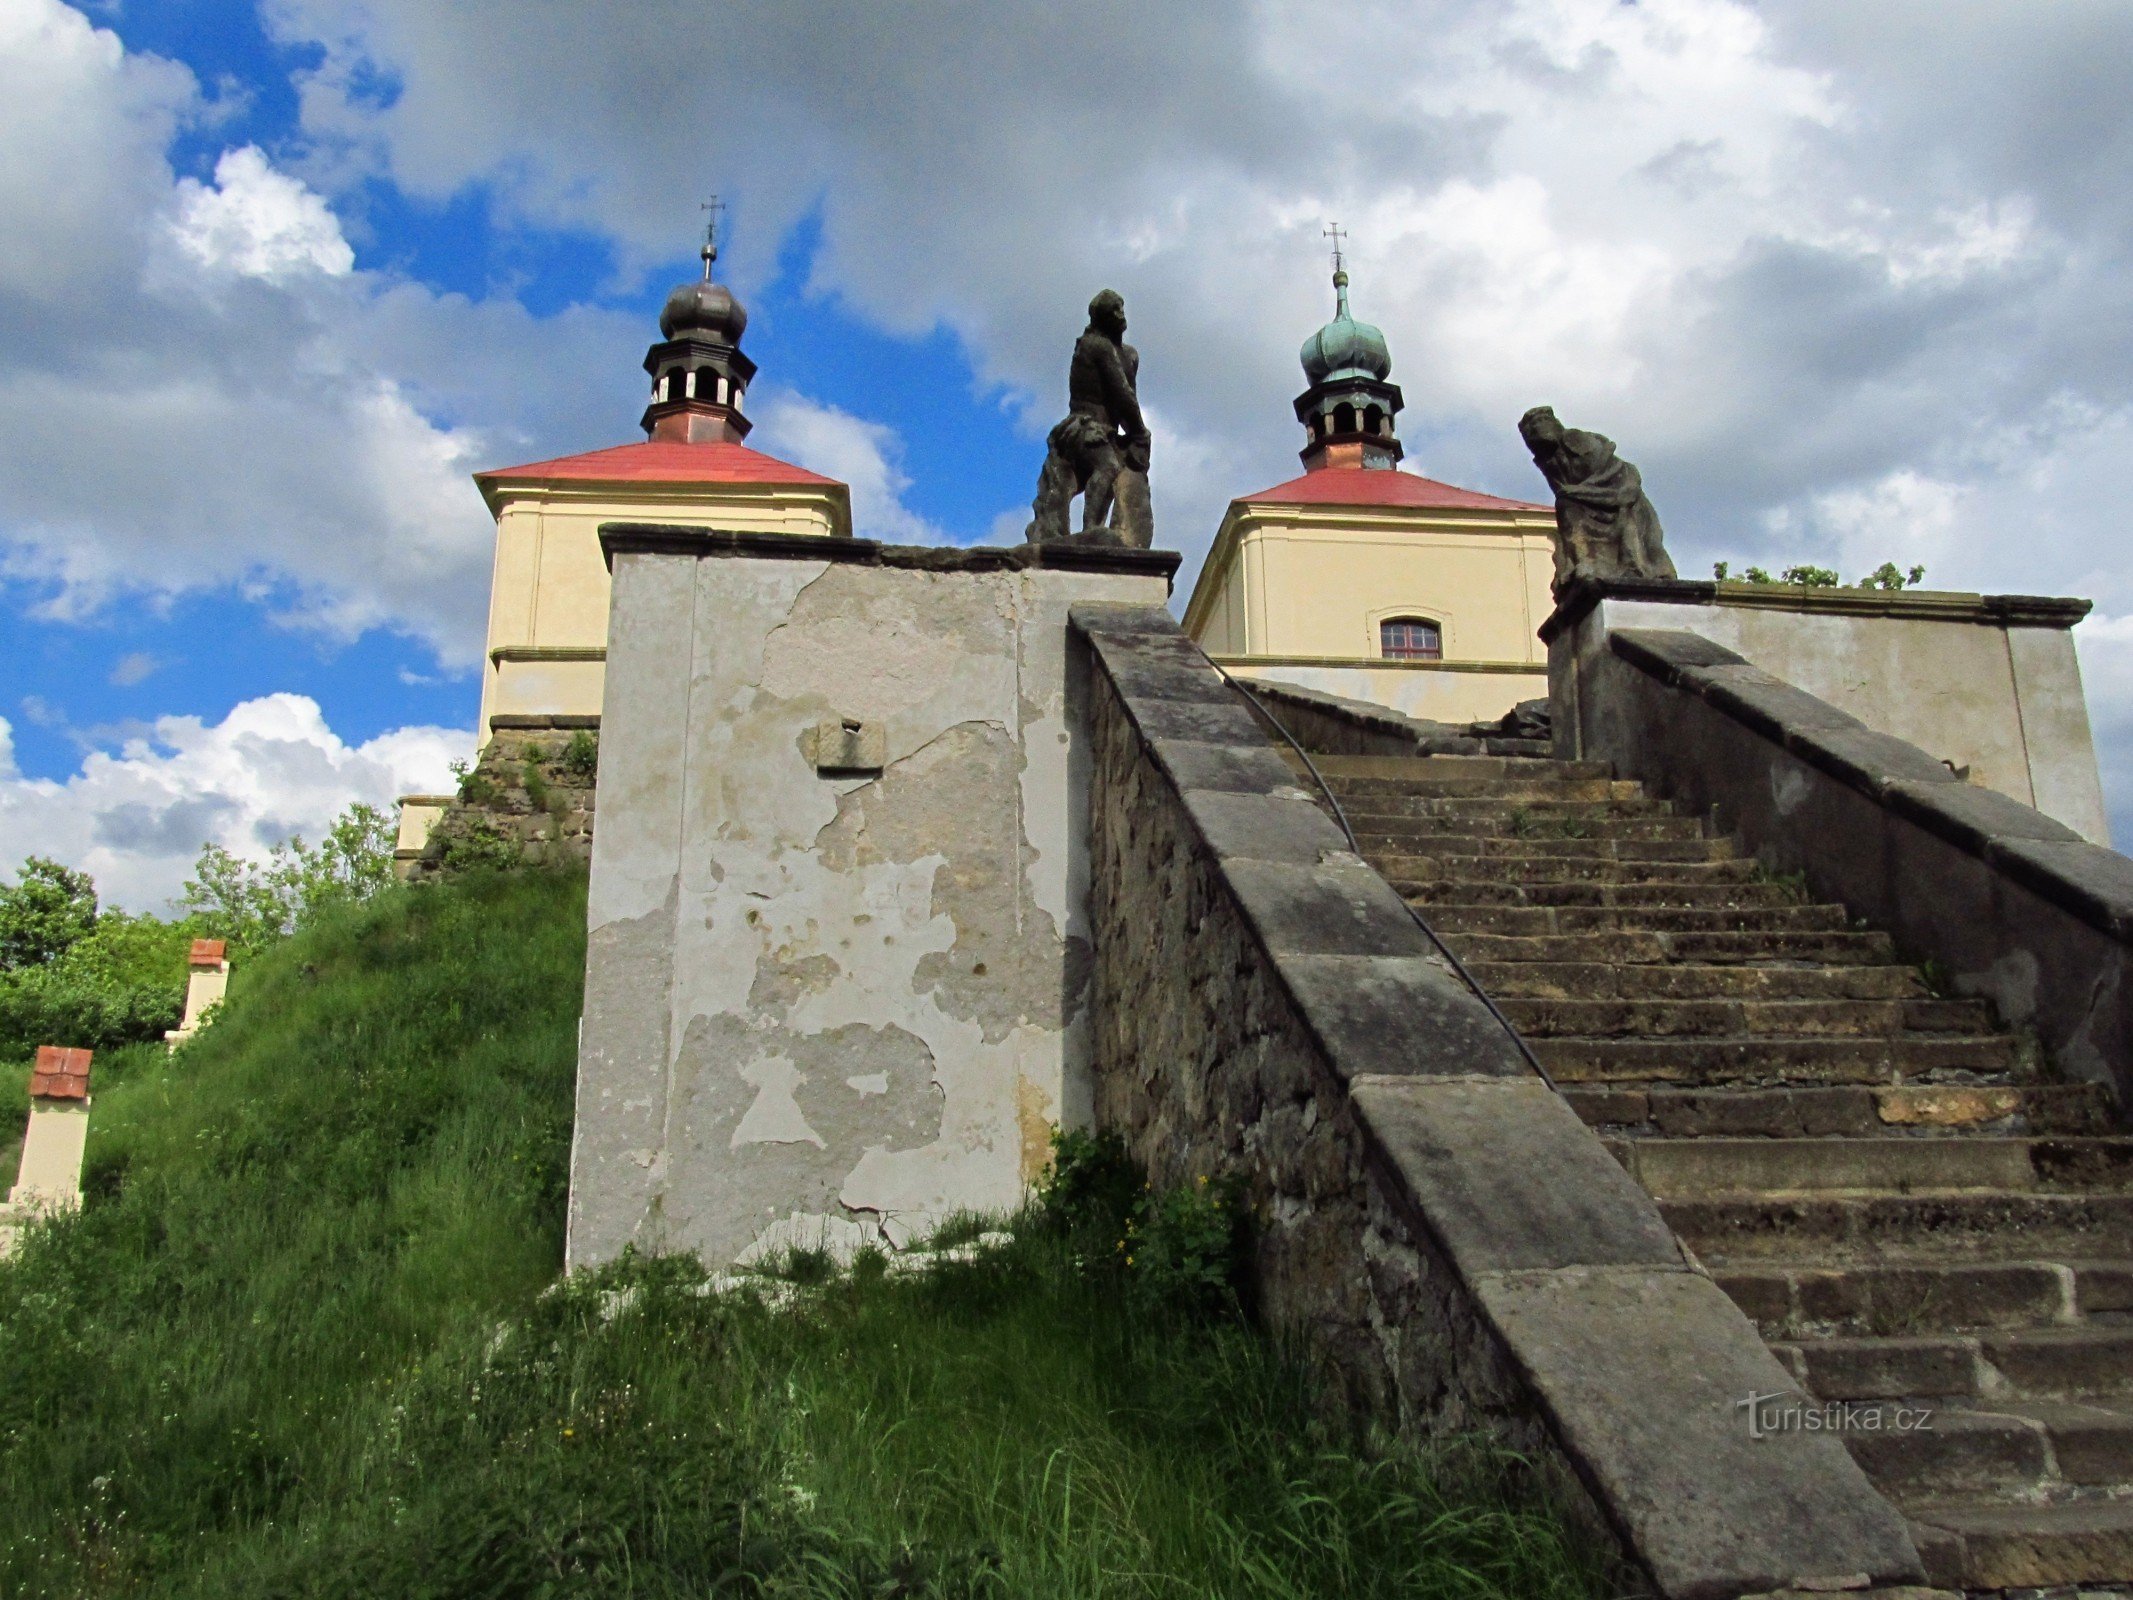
[306, 1339]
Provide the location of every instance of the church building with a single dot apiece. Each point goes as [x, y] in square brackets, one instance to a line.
[547, 639]
[1360, 580]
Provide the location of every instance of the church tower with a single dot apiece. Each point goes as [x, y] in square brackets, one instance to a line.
[1348, 410]
[547, 641]
[698, 371]
[1361, 580]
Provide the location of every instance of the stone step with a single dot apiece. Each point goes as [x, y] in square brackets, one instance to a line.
[1633, 892]
[1396, 769]
[1393, 794]
[1735, 1229]
[1669, 1019]
[1810, 1111]
[1587, 982]
[1952, 1450]
[2091, 1438]
[1793, 1300]
[1771, 1061]
[1773, 951]
[1448, 917]
[1415, 873]
[2069, 1363]
[2062, 1363]
[1982, 1545]
[1512, 848]
[1544, 818]
[1673, 1169]
[1589, 827]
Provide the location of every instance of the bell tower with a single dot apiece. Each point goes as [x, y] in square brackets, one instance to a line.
[1348, 409]
[698, 372]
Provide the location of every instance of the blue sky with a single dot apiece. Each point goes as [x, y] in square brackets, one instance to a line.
[284, 274]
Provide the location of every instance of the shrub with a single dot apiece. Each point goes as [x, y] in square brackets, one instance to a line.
[1182, 1251]
[536, 782]
[581, 757]
[476, 843]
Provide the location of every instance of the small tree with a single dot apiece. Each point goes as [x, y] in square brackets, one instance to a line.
[253, 903]
[45, 910]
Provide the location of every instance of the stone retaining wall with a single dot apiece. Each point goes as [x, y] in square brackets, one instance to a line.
[1456, 1246]
[523, 803]
[1334, 725]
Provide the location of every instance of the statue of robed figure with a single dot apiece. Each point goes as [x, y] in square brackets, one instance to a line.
[1605, 526]
[1100, 449]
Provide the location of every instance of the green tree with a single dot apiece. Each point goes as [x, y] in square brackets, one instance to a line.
[77, 976]
[253, 903]
[47, 908]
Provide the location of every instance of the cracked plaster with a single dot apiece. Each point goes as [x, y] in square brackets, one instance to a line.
[827, 1009]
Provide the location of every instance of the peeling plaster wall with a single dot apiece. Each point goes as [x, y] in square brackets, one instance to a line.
[822, 1008]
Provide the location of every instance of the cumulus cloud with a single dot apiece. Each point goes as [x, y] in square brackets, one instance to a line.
[867, 456]
[258, 222]
[136, 818]
[1762, 247]
[199, 389]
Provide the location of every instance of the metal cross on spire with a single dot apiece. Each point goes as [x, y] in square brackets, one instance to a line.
[1335, 232]
[716, 208]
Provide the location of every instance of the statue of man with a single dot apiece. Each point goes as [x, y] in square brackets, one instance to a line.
[1100, 449]
[1605, 527]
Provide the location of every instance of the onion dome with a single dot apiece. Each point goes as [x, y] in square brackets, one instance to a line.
[704, 310]
[1348, 409]
[1344, 347]
[699, 375]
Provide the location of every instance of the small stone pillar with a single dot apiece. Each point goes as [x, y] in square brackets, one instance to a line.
[207, 980]
[50, 1176]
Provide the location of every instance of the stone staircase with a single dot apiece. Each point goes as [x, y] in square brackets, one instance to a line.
[1918, 1218]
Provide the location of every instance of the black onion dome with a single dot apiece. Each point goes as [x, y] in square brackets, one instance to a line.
[705, 309]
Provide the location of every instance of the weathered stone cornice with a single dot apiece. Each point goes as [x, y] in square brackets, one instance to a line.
[1917, 605]
[665, 538]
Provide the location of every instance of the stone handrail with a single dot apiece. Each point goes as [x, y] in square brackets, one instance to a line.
[2013, 906]
[1458, 1247]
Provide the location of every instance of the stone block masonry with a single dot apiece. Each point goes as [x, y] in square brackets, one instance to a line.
[1458, 1248]
[528, 800]
[837, 969]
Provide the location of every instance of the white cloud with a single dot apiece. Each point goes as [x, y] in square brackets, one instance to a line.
[199, 390]
[258, 222]
[868, 456]
[136, 818]
[134, 667]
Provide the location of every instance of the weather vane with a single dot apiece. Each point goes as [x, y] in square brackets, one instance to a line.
[715, 207]
[1336, 233]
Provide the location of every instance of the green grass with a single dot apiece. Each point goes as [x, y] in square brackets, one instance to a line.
[305, 1340]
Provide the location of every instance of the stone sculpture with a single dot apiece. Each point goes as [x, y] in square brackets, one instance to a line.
[1100, 449]
[1605, 526]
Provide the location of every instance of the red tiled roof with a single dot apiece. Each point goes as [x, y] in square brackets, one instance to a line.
[1376, 486]
[206, 953]
[60, 1073]
[666, 462]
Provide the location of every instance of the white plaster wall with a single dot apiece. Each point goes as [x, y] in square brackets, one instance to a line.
[52, 1147]
[826, 1009]
[2003, 702]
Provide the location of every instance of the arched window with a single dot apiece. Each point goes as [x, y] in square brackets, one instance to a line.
[1344, 418]
[1410, 639]
[1374, 419]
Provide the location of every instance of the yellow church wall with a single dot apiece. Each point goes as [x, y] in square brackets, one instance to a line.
[1297, 592]
[545, 652]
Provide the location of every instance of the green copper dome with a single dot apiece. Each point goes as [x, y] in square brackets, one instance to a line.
[1344, 347]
